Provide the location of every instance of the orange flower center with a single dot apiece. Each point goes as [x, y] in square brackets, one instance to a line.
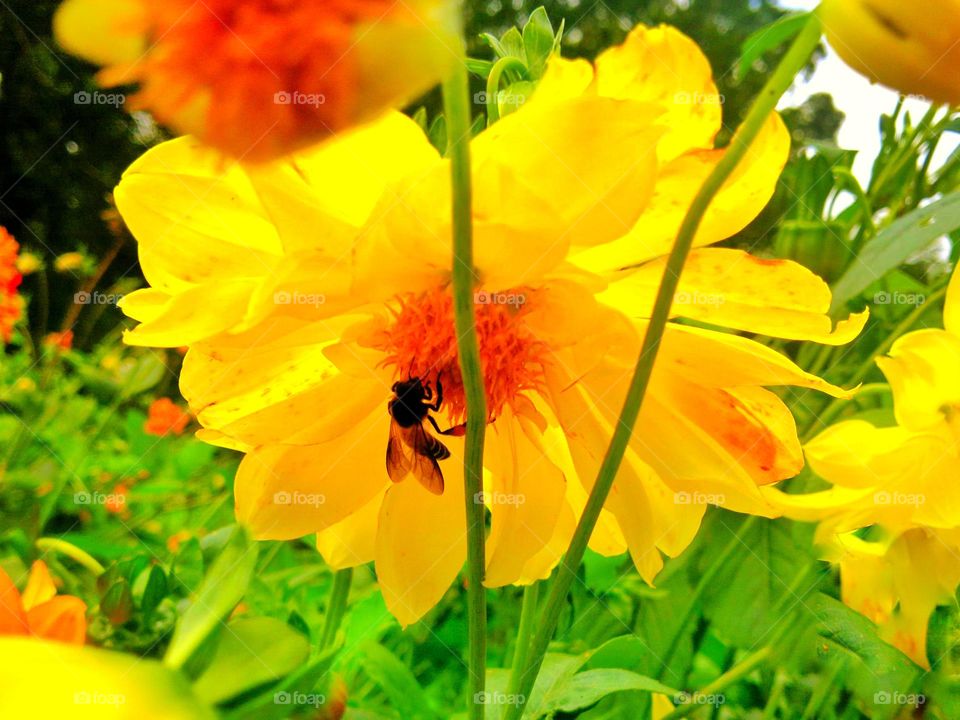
[421, 342]
[240, 70]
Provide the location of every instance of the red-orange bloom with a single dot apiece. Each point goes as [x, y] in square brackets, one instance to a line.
[259, 78]
[39, 610]
[11, 304]
[165, 416]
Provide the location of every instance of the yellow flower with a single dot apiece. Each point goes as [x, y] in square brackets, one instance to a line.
[68, 262]
[898, 581]
[306, 289]
[901, 479]
[258, 78]
[911, 49]
[40, 679]
[896, 476]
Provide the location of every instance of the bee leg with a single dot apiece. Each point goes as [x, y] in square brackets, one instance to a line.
[434, 423]
[456, 430]
[436, 406]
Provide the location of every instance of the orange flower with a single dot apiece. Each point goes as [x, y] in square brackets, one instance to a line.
[165, 416]
[39, 610]
[61, 340]
[259, 78]
[11, 304]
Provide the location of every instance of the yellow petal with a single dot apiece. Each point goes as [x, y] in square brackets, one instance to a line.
[284, 492]
[421, 541]
[101, 31]
[588, 162]
[717, 359]
[42, 679]
[922, 372]
[733, 289]
[740, 200]
[196, 217]
[278, 386]
[40, 587]
[319, 198]
[564, 80]
[886, 40]
[352, 541]
[664, 66]
[951, 308]
[525, 498]
[191, 315]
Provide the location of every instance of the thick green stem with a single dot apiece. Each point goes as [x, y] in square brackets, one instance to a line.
[337, 606]
[794, 61]
[528, 614]
[456, 101]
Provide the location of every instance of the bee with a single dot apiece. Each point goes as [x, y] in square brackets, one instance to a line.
[411, 448]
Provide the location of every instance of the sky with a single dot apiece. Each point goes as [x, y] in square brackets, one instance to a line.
[861, 101]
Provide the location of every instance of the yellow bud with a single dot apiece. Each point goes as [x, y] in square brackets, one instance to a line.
[909, 47]
[28, 263]
[68, 262]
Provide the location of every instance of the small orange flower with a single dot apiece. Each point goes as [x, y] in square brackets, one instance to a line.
[260, 78]
[60, 340]
[165, 416]
[11, 304]
[39, 610]
[117, 500]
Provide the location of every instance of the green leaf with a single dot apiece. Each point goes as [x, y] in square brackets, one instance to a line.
[154, 591]
[887, 678]
[512, 98]
[187, 568]
[588, 687]
[117, 603]
[512, 44]
[767, 38]
[555, 670]
[906, 236]
[221, 590]
[538, 42]
[397, 681]
[251, 652]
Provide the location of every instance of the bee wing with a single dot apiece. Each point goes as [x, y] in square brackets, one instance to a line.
[400, 455]
[427, 450]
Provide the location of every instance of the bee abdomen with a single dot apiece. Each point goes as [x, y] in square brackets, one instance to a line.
[436, 449]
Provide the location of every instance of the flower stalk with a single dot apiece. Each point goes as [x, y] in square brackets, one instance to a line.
[456, 101]
[793, 62]
[336, 607]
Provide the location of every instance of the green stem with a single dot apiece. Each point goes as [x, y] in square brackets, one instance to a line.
[737, 672]
[528, 613]
[794, 61]
[456, 101]
[337, 606]
[493, 85]
[81, 557]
